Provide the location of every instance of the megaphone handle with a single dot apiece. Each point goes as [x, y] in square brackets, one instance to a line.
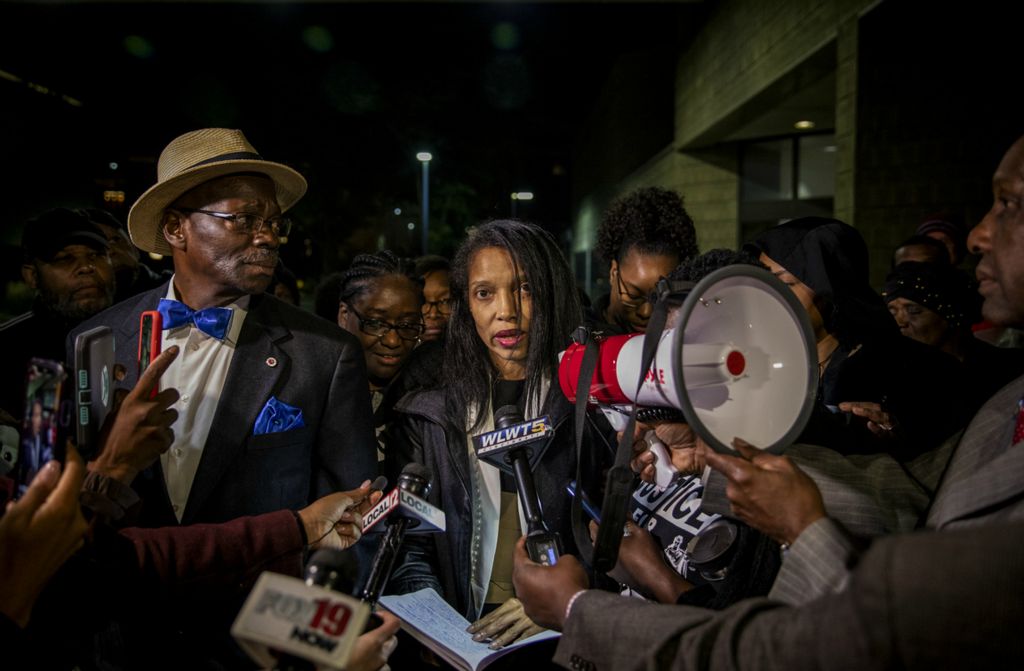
[664, 471]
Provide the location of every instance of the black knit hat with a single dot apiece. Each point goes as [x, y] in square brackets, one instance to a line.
[939, 288]
[44, 236]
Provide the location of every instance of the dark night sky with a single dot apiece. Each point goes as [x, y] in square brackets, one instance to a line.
[347, 93]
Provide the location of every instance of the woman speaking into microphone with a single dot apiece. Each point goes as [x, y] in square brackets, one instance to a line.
[514, 308]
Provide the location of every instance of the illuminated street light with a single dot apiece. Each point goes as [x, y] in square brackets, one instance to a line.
[517, 196]
[424, 158]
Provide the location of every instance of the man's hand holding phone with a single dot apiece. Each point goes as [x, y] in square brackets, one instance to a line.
[138, 429]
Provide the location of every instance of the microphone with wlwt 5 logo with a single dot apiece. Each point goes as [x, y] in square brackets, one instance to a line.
[404, 510]
[301, 625]
[515, 446]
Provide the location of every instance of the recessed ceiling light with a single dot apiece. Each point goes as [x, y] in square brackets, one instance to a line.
[804, 124]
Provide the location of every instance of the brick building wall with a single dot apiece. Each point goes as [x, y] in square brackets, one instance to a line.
[926, 102]
[741, 49]
[938, 105]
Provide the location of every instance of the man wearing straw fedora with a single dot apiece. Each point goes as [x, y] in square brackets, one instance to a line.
[273, 411]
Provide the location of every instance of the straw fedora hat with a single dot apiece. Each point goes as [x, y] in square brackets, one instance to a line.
[197, 157]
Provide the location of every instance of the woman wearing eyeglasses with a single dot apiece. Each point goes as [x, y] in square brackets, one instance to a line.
[643, 237]
[379, 303]
[514, 308]
[434, 271]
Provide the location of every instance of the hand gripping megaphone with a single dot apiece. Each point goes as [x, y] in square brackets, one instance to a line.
[740, 360]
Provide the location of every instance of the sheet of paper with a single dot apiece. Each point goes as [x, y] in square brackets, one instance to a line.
[430, 615]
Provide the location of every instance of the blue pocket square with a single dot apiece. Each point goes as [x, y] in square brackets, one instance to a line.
[277, 417]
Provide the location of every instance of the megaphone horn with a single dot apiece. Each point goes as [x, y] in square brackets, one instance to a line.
[739, 360]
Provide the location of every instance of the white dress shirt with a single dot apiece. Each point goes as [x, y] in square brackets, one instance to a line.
[198, 374]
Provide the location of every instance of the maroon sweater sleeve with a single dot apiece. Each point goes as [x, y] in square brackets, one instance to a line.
[229, 555]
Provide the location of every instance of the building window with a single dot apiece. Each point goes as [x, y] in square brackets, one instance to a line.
[785, 178]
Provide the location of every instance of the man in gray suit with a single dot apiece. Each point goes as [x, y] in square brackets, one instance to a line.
[944, 599]
[984, 479]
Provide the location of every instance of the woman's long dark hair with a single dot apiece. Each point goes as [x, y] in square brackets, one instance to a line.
[555, 313]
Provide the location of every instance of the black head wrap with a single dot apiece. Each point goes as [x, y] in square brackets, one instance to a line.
[939, 288]
[831, 258]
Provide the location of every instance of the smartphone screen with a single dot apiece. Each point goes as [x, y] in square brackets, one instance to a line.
[10, 441]
[150, 339]
[45, 421]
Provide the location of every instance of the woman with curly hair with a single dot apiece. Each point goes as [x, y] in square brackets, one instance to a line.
[643, 237]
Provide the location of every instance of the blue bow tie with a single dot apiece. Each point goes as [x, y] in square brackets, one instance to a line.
[211, 321]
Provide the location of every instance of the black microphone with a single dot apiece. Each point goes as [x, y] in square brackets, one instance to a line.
[518, 443]
[414, 480]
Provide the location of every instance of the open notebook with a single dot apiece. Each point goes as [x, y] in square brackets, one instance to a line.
[435, 624]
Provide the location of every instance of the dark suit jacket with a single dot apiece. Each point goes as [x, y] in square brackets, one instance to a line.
[319, 369]
[924, 601]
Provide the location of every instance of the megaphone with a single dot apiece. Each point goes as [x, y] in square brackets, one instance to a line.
[740, 360]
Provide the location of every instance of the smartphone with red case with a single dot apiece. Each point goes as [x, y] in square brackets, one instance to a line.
[151, 326]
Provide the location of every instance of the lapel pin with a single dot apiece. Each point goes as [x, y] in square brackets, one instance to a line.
[271, 361]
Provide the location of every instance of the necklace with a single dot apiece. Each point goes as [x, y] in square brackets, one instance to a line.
[823, 362]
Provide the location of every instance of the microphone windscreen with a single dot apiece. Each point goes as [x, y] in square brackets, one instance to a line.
[506, 416]
[415, 479]
[332, 569]
[416, 470]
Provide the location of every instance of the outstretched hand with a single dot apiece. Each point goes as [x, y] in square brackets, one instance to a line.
[879, 422]
[336, 520]
[373, 648]
[641, 565]
[505, 624]
[545, 590]
[38, 533]
[768, 492]
[685, 447]
[138, 429]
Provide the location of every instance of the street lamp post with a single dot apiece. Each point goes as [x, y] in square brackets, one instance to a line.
[424, 158]
[518, 196]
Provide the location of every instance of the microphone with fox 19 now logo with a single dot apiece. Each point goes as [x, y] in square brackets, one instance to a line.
[403, 510]
[515, 446]
[301, 625]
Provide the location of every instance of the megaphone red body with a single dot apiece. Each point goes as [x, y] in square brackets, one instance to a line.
[740, 360]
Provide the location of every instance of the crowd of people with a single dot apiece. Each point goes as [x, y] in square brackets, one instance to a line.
[254, 436]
